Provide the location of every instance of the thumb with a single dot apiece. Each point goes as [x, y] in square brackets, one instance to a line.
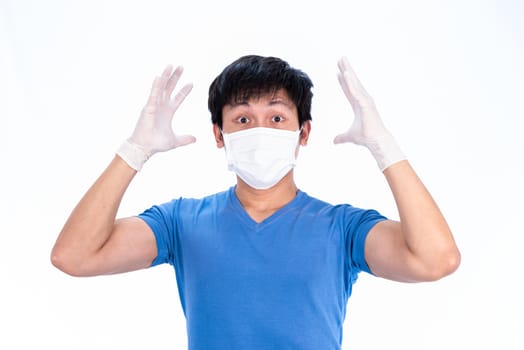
[182, 140]
[342, 138]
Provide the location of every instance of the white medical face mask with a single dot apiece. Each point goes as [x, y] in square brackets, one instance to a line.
[261, 156]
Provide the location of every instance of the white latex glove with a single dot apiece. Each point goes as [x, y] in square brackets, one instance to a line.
[367, 128]
[153, 132]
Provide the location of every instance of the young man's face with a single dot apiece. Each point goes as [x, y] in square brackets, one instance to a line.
[269, 111]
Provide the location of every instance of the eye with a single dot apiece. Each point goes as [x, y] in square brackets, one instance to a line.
[278, 119]
[243, 120]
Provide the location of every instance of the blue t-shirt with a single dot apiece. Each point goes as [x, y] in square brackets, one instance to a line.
[281, 284]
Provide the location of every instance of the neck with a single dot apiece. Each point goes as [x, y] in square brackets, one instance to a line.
[260, 204]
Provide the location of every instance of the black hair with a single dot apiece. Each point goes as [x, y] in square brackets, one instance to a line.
[252, 76]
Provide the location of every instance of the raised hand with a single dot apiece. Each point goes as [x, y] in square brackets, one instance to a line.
[367, 125]
[367, 128]
[153, 132]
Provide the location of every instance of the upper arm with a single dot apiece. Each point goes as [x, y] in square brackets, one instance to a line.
[388, 255]
[131, 246]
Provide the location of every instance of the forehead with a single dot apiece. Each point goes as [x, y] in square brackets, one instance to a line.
[277, 97]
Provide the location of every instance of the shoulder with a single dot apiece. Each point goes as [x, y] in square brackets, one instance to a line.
[218, 197]
[307, 201]
[190, 205]
[343, 213]
[324, 206]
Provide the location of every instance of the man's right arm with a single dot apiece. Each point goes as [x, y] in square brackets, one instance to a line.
[92, 241]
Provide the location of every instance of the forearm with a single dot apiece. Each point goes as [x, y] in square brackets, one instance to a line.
[424, 228]
[90, 224]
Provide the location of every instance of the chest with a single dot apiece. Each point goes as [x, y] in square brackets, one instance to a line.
[281, 255]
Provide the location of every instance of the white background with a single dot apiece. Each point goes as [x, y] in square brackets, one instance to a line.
[447, 77]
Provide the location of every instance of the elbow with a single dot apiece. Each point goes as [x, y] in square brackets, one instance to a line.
[446, 264]
[65, 263]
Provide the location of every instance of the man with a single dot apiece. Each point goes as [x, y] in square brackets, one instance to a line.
[261, 265]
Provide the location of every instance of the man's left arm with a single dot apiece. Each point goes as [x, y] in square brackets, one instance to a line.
[419, 247]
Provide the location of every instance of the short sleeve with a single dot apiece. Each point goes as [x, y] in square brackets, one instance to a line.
[160, 219]
[361, 221]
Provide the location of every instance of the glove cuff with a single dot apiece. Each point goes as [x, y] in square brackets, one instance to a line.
[386, 151]
[134, 155]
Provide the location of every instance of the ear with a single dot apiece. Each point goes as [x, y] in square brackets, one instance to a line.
[304, 133]
[218, 136]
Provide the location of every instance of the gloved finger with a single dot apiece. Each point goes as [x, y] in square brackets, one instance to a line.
[343, 64]
[155, 93]
[164, 78]
[173, 80]
[180, 97]
[183, 140]
[358, 98]
[352, 81]
[342, 138]
[347, 81]
[353, 101]
[346, 69]
[167, 71]
[345, 87]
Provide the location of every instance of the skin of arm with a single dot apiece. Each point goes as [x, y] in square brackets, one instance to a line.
[92, 242]
[420, 247]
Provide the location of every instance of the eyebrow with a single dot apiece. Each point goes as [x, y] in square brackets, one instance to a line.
[280, 101]
[277, 101]
[237, 103]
